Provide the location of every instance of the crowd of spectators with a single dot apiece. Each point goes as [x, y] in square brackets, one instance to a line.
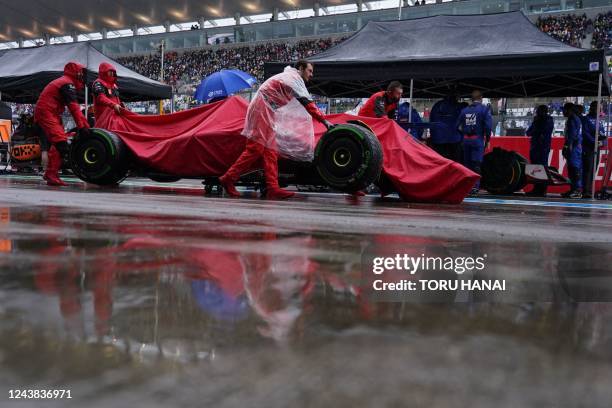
[574, 29]
[192, 66]
[602, 31]
[571, 29]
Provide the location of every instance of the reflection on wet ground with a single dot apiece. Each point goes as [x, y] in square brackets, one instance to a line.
[154, 309]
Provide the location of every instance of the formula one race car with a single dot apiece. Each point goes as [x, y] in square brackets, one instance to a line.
[203, 142]
[505, 172]
[348, 158]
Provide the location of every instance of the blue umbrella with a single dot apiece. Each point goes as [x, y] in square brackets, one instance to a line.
[222, 84]
[214, 301]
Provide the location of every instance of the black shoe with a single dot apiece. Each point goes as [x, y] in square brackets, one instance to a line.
[573, 194]
[535, 193]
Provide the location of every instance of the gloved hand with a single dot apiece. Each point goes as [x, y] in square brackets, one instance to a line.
[566, 152]
[83, 132]
[328, 124]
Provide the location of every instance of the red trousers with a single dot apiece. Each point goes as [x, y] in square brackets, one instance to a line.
[52, 126]
[253, 151]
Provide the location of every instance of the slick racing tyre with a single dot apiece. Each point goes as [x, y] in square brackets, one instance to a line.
[503, 171]
[100, 157]
[349, 157]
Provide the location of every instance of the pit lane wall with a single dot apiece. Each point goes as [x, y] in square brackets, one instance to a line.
[520, 144]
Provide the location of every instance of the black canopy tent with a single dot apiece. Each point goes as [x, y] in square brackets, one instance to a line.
[504, 55]
[5, 112]
[25, 72]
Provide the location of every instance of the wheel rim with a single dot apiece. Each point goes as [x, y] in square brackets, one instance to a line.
[90, 155]
[92, 158]
[342, 157]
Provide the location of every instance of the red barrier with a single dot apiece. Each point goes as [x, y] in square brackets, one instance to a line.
[520, 144]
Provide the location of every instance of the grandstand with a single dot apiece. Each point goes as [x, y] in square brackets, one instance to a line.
[140, 28]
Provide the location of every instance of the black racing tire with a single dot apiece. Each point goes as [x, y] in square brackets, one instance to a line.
[100, 157]
[164, 178]
[503, 172]
[349, 157]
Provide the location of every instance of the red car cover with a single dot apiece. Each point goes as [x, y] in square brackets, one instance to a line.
[206, 140]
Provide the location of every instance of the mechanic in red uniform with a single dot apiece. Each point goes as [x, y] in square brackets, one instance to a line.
[259, 129]
[106, 93]
[383, 103]
[54, 98]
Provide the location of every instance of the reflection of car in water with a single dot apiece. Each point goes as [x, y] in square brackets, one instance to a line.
[167, 289]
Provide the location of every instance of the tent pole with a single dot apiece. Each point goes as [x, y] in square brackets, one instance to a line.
[608, 130]
[86, 89]
[595, 156]
[161, 76]
[410, 101]
[172, 103]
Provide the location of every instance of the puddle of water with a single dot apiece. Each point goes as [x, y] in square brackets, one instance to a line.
[160, 310]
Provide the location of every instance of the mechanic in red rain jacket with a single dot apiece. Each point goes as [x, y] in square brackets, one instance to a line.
[56, 96]
[106, 93]
[383, 103]
[273, 94]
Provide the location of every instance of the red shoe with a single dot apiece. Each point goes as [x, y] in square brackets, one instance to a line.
[279, 194]
[54, 181]
[229, 187]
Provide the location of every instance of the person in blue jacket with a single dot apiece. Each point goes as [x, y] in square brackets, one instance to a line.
[475, 124]
[403, 113]
[572, 150]
[445, 139]
[590, 147]
[540, 131]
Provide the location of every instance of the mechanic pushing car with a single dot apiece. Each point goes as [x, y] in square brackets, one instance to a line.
[105, 90]
[383, 103]
[475, 123]
[276, 122]
[54, 98]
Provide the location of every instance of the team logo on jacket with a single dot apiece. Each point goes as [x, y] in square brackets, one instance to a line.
[470, 119]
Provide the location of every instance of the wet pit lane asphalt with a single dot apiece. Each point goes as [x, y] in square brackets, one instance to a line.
[152, 295]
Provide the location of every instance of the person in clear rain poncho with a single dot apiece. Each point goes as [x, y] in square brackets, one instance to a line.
[278, 121]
